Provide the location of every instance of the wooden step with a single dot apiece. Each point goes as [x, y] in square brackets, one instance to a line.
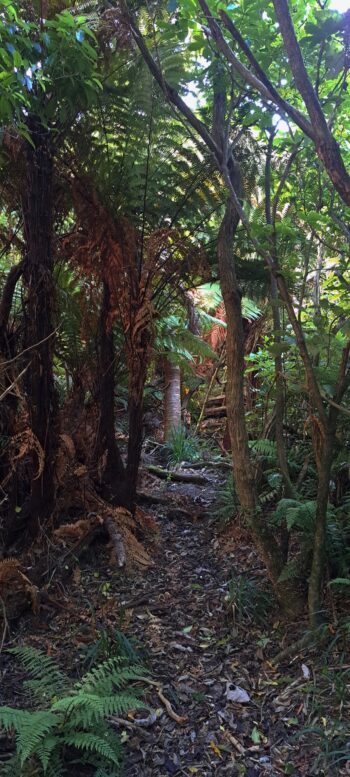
[213, 423]
[215, 411]
[214, 400]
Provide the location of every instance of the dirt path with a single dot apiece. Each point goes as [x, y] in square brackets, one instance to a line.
[198, 656]
[193, 647]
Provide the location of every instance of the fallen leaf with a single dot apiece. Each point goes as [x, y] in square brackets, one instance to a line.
[306, 671]
[215, 749]
[237, 694]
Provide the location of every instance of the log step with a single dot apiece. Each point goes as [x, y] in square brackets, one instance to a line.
[215, 411]
[214, 400]
[213, 423]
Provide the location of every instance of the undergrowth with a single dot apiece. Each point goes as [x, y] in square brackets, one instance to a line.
[225, 503]
[69, 726]
[182, 446]
[248, 599]
[326, 694]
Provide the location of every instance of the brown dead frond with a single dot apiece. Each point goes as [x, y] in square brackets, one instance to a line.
[19, 447]
[317, 435]
[72, 533]
[15, 587]
[65, 456]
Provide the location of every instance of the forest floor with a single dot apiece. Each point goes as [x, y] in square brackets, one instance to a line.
[221, 706]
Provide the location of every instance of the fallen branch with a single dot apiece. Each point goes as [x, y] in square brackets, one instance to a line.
[177, 477]
[138, 722]
[116, 539]
[210, 465]
[309, 639]
[144, 496]
[180, 719]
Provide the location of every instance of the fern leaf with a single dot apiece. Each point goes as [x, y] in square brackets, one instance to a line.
[33, 730]
[44, 671]
[92, 743]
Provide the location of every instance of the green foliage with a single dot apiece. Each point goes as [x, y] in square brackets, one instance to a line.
[226, 502]
[68, 723]
[175, 341]
[110, 643]
[49, 69]
[264, 448]
[248, 599]
[299, 517]
[182, 446]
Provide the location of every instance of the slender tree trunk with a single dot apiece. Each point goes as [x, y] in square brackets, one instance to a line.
[276, 317]
[139, 353]
[135, 436]
[114, 473]
[41, 394]
[289, 489]
[266, 543]
[315, 593]
[172, 398]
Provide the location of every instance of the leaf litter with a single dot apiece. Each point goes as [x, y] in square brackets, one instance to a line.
[217, 705]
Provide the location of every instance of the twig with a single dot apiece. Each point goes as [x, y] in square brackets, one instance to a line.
[6, 624]
[11, 386]
[139, 722]
[180, 719]
[30, 348]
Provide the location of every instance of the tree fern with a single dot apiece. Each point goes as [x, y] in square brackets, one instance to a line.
[72, 721]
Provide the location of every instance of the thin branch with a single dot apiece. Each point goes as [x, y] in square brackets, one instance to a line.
[261, 81]
[14, 383]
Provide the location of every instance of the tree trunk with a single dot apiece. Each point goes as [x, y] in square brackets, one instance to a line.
[114, 472]
[172, 398]
[316, 579]
[41, 394]
[266, 543]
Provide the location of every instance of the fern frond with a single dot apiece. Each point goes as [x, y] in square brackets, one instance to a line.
[92, 743]
[47, 678]
[114, 672]
[37, 726]
[87, 709]
[265, 448]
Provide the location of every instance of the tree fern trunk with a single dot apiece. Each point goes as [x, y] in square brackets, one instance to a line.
[172, 398]
[114, 473]
[41, 394]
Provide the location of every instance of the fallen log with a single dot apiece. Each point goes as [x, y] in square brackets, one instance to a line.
[177, 477]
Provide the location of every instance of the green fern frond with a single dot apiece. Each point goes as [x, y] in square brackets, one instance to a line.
[75, 721]
[92, 743]
[265, 448]
[113, 672]
[47, 678]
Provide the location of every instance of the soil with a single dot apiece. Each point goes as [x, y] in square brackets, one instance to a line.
[209, 655]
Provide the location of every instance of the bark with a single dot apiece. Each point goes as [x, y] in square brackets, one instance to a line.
[270, 214]
[216, 142]
[6, 304]
[137, 365]
[267, 545]
[324, 475]
[41, 394]
[172, 398]
[114, 473]
[326, 146]
[315, 592]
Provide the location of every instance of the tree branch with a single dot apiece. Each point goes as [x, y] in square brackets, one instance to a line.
[326, 146]
[262, 80]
